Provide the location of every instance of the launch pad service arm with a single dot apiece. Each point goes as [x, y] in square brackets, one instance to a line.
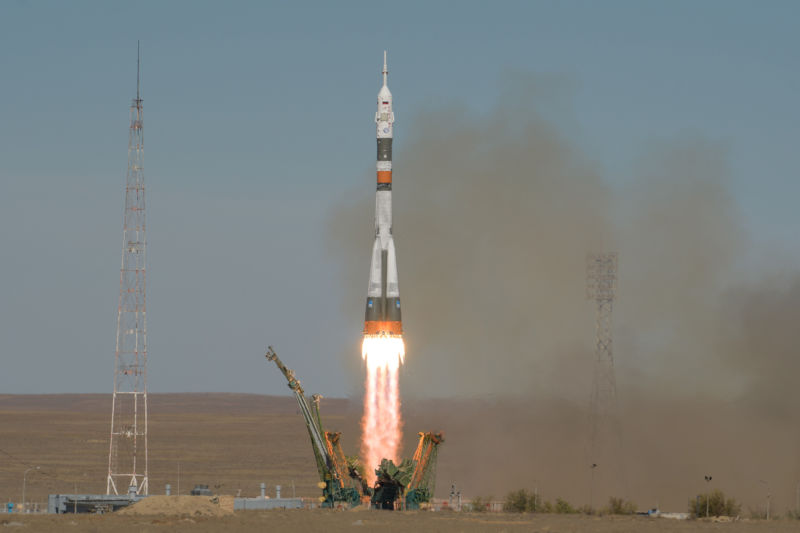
[314, 430]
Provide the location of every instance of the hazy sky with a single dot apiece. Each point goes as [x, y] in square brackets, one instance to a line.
[259, 124]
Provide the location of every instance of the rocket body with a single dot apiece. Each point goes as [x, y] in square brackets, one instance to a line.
[382, 316]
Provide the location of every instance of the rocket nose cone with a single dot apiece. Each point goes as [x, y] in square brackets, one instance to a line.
[385, 93]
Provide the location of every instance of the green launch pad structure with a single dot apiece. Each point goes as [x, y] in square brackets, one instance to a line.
[409, 484]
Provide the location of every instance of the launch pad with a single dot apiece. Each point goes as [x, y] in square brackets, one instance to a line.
[342, 478]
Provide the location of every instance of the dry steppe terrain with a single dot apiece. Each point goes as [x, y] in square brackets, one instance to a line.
[233, 442]
[385, 521]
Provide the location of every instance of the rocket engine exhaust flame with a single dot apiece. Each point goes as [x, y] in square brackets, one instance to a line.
[382, 422]
[382, 349]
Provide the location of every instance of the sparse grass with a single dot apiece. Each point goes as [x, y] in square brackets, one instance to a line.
[523, 501]
[562, 506]
[517, 501]
[228, 441]
[619, 506]
[349, 522]
[480, 504]
[793, 514]
[716, 504]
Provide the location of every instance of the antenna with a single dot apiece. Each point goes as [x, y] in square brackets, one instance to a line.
[138, 69]
[605, 438]
[127, 451]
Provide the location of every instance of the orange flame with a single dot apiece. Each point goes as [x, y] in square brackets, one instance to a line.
[382, 422]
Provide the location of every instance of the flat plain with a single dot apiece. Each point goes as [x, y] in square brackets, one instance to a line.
[231, 442]
[234, 442]
[354, 521]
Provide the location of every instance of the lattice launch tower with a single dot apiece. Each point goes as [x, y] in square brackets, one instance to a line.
[127, 453]
[605, 437]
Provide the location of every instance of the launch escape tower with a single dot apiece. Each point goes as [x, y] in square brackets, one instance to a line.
[605, 435]
[127, 452]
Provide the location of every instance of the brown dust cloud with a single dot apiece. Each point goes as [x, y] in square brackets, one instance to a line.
[494, 213]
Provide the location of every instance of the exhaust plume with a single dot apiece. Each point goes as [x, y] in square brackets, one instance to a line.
[496, 212]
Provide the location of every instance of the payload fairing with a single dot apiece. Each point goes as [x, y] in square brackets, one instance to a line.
[382, 315]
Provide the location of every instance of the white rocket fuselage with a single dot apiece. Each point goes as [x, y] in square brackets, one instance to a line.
[382, 315]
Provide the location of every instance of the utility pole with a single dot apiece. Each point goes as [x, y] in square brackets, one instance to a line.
[127, 450]
[769, 495]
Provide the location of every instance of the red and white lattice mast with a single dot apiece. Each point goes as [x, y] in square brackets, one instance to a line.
[127, 451]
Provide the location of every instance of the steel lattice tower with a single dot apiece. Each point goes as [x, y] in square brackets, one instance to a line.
[127, 453]
[605, 438]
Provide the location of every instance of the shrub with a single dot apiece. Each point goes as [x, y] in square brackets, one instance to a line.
[619, 506]
[563, 507]
[517, 501]
[588, 510]
[536, 504]
[480, 504]
[524, 501]
[717, 504]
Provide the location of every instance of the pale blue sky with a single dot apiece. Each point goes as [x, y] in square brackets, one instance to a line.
[258, 121]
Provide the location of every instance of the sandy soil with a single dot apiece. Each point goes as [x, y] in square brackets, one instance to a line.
[230, 442]
[180, 505]
[234, 442]
[354, 521]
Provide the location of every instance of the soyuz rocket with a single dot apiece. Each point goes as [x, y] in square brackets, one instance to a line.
[382, 315]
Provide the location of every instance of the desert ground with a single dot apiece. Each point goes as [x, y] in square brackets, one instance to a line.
[354, 521]
[234, 442]
[230, 442]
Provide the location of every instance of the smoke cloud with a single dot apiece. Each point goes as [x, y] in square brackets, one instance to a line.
[493, 216]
